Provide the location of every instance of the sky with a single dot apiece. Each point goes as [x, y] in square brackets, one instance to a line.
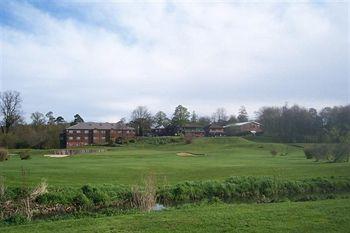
[102, 59]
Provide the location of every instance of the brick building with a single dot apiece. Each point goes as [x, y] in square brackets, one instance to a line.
[214, 130]
[193, 130]
[92, 133]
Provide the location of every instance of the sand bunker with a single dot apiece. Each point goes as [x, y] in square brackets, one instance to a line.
[56, 156]
[189, 154]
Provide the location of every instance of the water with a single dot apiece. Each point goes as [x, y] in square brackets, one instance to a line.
[158, 207]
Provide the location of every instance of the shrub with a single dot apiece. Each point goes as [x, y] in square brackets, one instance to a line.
[24, 155]
[308, 153]
[95, 195]
[81, 200]
[332, 153]
[341, 153]
[17, 218]
[251, 189]
[3, 154]
[273, 152]
[188, 138]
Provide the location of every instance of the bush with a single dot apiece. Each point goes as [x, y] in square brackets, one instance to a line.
[24, 155]
[3, 154]
[95, 195]
[81, 200]
[188, 138]
[341, 153]
[308, 153]
[251, 189]
[53, 198]
[160, 140]
[332, 153]
[273, 152]
[16, 219]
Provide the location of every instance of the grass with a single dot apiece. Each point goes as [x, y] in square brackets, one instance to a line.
[316, 216]
[223, 157]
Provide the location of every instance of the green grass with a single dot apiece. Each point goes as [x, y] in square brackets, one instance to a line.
[317, 216]
[224, 157]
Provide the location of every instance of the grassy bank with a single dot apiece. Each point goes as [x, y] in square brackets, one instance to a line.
[22, 204]
[316, 216]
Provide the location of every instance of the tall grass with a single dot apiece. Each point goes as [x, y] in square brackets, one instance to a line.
[144, 198]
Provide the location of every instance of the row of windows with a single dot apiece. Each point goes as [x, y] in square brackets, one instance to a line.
[95, 131]
[85, 138]
[78, 131]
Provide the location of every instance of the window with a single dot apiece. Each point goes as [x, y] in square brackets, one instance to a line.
[78, 138]
[102, 131]
[86, 138]
[70, 131]
[103, 138]
[70, 138]
[119, 131]
[95, 131]
[86, 131]
[95, 138]
[78, 131]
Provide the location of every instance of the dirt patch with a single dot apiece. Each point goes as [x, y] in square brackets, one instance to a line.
[56, 156]
[189, 154]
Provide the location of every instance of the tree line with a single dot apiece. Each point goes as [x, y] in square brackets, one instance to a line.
[285, 124]
[299, 124]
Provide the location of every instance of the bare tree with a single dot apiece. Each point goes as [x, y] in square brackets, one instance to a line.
[10, 109]
[38, 119]
[220, 115]
[141, 119]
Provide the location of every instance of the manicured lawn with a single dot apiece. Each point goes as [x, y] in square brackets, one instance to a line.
[315, 216]
[224, 157]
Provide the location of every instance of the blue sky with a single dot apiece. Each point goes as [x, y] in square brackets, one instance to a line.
[102, 59]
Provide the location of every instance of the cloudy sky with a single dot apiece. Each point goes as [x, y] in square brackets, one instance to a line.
[102, 59]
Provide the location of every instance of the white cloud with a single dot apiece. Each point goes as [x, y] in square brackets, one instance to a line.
[201, 56]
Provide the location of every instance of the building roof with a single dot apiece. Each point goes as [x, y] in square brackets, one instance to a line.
[97, 125]
[242, 123]
[215, 126]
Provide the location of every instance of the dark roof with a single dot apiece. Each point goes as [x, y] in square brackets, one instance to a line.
[96, 125]
[215, 126]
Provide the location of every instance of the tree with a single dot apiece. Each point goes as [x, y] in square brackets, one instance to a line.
[242, 114]
[220, 116]
[141, 120]
[122, 121]
[181, 116]
[194, 117]
[10, 109]
[232, 120]
[77, 119]
[38, 119]
[60, 120]
[50, 118]
[270, 118]
[160, 119]
[204, 121]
